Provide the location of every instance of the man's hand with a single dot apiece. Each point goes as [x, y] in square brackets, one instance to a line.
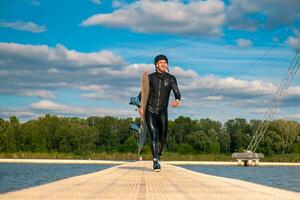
[141, 111]
[175, 103]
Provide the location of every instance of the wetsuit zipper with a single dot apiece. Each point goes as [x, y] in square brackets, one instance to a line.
[158, 94]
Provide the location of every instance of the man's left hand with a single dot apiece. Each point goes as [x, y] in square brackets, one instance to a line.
[175, 103]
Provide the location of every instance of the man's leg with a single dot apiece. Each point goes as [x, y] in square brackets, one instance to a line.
[152, 126]
[151, 120]
[163, 129]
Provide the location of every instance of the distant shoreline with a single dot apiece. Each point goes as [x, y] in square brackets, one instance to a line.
[78, 161]
[124, 157]
[60, 161]
[230, 163]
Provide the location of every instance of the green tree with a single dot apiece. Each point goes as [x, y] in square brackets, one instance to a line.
[11, 137]
[3, 127]
[239, 131]
[224, 141]
[199, 141]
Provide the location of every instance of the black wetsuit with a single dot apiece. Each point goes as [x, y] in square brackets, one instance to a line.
[161, 85]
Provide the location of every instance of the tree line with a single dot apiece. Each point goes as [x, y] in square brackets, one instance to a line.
[51, 133]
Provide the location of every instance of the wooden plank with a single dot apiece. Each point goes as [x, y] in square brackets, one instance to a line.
[137, 181]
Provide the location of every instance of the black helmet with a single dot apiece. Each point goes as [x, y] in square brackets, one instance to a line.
[160, 57]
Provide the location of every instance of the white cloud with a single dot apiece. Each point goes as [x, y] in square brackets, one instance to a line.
[258, 111]
[230, 87]
[38, 93]
[292, 97]
[20, 114]
[244, 43]
[242, 14]
[294, 90]
[48, 105]
[94, 87]
[36, 70]
[23, 26]
[262, 111]
[117, 4]
[53, 71]
[132, 70]
[42, 55]
[41, 108]
[192, 18]
[180, 72]
[294, 116]
[106, 92]
[115, 85]
[294, 41]
[128, 79]
[103, 82]
[214, 98]
[235, 15]
[135, 70]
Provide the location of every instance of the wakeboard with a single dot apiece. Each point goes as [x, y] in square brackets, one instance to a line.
[140, 130]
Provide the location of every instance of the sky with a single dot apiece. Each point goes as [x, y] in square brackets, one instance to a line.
[84, 58]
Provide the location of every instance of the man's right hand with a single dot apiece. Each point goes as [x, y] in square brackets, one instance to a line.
[141, 111]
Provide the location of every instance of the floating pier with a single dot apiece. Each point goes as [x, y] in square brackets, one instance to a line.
[137, 180]
[247, 158]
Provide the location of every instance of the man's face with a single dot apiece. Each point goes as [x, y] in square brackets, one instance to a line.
[162, 65]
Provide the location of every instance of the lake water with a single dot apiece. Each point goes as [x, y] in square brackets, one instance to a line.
[283, 177]
[15, 176]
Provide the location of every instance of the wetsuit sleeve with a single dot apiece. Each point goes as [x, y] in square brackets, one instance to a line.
[139, 97]
[175, 89]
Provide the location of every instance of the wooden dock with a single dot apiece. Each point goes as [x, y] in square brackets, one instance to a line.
[136, 180]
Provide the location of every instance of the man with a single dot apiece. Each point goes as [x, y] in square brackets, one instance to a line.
[161, 83]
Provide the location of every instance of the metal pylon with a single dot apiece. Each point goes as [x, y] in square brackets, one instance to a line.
[280, 93]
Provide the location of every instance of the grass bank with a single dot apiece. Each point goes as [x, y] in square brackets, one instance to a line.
[168, 156]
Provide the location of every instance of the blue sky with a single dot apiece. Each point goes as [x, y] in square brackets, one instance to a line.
[84, 58]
